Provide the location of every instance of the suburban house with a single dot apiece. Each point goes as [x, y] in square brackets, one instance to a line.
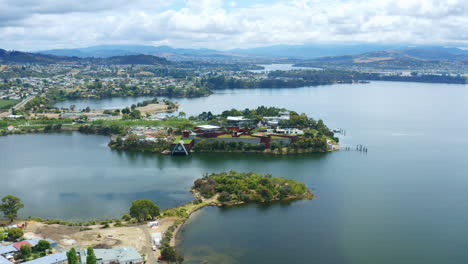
[57, 258]
[121, 255]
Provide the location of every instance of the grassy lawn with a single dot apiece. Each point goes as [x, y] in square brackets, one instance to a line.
[5, 104]
[179, 138]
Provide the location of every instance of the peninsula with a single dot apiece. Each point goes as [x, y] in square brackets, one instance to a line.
[146, 228]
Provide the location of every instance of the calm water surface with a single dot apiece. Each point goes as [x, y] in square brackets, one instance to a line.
[403, 202]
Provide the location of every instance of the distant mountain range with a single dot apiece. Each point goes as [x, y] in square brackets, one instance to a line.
[279, 51]
[394, 57]
[105, 51]
[304, 55]
[26, 57]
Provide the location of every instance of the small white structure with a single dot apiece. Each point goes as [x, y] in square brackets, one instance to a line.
[153, 224]
[156, 239]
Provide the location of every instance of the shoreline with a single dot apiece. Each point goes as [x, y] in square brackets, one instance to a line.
[131, 233]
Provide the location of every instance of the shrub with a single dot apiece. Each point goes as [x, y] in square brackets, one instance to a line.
[15, 233]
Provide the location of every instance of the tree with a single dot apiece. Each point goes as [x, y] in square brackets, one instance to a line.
[10, 206]
[72, 257]
[25, 251]
[169, 254]
[90, 256]
[42, 246]
[15, 233]
[144, 210]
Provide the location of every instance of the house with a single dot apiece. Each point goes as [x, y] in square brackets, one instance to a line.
[18, 245]
[121, 255]
[57, 258]
[35, 241]
[239, 121]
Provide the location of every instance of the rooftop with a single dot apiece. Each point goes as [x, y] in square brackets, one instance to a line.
[7, 249]
[4, 260]
[121, 254]
[18, 245]
[208, 127]
[50, 259]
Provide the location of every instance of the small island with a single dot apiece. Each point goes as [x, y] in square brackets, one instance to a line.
[232, 188]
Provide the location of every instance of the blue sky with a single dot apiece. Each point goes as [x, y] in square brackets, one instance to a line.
[226, 24]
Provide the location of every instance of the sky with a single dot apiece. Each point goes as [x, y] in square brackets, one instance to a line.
[217, 24]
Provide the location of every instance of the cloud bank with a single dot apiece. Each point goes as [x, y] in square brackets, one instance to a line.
[33, 24]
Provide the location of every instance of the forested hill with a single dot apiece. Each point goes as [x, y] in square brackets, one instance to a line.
[18, 57]
[134, 59]
[394, 59]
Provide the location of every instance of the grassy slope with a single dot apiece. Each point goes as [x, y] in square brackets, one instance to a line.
[5, 104]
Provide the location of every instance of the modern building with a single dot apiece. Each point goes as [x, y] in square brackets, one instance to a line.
[239, 121]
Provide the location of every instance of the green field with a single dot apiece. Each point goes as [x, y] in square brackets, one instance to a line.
[5, 104]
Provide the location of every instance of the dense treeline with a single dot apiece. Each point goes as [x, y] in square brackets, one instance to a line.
[261, 111]
[221, 146]
[236, 187]
[222, 82]
[103, 130]
[331, 76]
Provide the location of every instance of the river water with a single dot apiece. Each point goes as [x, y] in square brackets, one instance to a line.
[403, 202]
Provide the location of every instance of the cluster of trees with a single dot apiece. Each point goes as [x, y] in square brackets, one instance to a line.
[313, 144]
[53, 128]
[216, 145]
[223, 82]
[235, 186]
[133, 143]
[97, 89]
[131, 113]
[103, 130]
[260, 111]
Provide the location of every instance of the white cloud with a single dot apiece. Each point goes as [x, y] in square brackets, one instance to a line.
[33, 24]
